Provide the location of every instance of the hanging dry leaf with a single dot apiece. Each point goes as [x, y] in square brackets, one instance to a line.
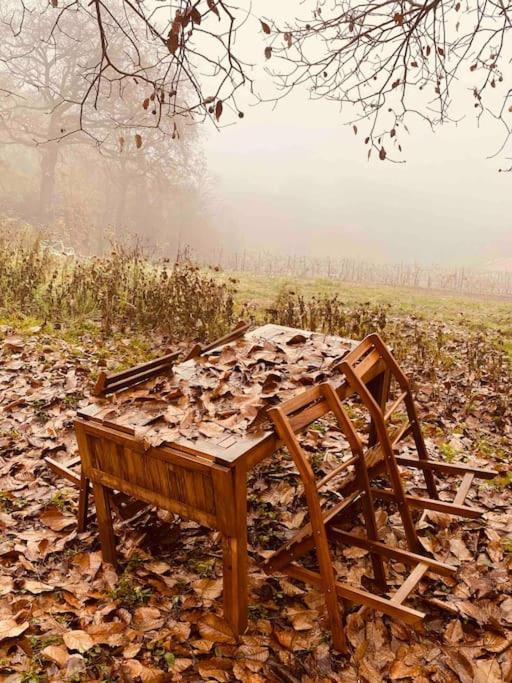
[213, 7]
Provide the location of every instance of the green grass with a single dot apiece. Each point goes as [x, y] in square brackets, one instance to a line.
[475, 311]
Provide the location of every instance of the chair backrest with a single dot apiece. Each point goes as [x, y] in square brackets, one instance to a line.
[200, 349]
[109, 384]
[370, 352]
[295, 415]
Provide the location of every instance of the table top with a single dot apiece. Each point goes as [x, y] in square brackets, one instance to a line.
[214, 405]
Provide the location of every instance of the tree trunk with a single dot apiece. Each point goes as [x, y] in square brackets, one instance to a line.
[47, 182]
[120, 213]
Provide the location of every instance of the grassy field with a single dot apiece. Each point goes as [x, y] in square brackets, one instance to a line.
[494, 312]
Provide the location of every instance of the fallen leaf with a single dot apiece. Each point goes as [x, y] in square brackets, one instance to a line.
[9, 628]
[78, 640]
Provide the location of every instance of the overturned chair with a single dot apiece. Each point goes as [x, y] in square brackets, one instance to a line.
[385, 438]
[375, 459]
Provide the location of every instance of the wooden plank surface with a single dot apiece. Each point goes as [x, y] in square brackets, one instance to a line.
[227, 448]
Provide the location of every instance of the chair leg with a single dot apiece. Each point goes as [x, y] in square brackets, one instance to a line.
[379, 571]
[332, 603]
[420, 446]
[83, 503]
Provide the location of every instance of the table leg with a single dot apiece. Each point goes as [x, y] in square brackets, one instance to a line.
[83, 503]
[235, 570]
[106, 529]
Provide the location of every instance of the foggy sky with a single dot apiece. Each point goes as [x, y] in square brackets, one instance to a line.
[295, 179]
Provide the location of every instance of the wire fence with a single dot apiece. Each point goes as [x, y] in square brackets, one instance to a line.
[456, 279]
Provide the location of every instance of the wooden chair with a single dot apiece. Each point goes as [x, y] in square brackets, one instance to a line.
[109, 384]
[292, 417]
[120, 381]
[372, 351]
[201, 349]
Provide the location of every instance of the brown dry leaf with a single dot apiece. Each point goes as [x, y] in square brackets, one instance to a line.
[132, 650]
[215, 668]
[209, 589]
[147, 619]
[134, 669]
[302, 619]
[506, 610]
[36, 587]
[78, 640]
[57, 654]
[252, 657]
[9, 628]
[202, 644]
[14, 344]
[487, 671]
[459, 549]
[157, 567]
[298, 640]
[453, 632]
[6, 585]
[399, 669]
[111, 633]
[53, 518]
[215, 629]
[181, 664]
[494, 642]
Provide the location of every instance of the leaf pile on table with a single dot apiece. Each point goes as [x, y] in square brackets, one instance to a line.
[226, 391]
[66, 617]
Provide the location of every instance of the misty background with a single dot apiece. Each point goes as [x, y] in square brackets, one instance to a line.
[289, 178]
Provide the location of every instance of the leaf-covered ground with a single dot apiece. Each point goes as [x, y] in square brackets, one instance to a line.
[66, 617]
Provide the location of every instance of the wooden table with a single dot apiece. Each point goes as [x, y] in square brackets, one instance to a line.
[204, 480]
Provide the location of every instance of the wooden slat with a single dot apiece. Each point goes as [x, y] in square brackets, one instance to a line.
[108, 384]
[390, 552]
[144, 367]
[407, 614]
[306, 417]
[239, 330]
[337, 470]
[301, 400]
[355, 354]
[401, 432]
[112, 387]
[63, 471]
[394, 406]
[449, 468]
[153, 498]
[303, 541]
[410, 583]
[432, 504]
[171, 454]
[366, 364]
[463, 489]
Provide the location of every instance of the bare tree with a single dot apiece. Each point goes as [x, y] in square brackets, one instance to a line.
[383, 61]
[387, 61]
[136, 171]
[42, 81]
[180, 55]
